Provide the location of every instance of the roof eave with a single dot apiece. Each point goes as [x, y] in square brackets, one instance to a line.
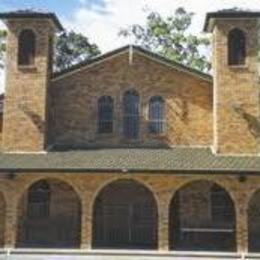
[50, 16]
[158, 57]
[211, 18]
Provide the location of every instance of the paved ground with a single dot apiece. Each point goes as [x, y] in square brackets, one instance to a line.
[56, 257]
[23, 255]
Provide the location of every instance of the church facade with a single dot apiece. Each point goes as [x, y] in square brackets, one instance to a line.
[130, 150]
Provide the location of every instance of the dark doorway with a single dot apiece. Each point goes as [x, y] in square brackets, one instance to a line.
[125, 217]
[202, 218]
[49, 216]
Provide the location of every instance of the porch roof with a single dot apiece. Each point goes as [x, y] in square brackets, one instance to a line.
[130, 160]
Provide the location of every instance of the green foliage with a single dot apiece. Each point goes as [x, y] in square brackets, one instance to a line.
[72, 48]
[2, 47]
[170, 37]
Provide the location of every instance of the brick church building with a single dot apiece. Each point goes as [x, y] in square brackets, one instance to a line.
[130, 150]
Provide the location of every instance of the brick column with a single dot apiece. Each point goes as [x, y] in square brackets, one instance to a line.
[241, 220]
[11, 225]
[86, 222]
[163, 223]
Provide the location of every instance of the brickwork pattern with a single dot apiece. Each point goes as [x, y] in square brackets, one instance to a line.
[236, 89]
[24, 126]
[163, 186]
[75, 97]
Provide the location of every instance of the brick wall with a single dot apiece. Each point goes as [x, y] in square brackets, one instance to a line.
[74, 103]
[163, 186]
[26, 87]
[236, 91]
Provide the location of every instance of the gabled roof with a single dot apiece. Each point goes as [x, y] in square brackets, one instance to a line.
[161, 160]
[228, 14]
[130, 48]
[29, 14]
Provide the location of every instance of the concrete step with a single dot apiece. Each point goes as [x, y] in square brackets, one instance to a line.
[40, 254]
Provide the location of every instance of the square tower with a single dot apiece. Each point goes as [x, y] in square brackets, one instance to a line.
[236, 80]
[28, 69]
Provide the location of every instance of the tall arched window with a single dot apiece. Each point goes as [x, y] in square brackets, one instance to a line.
[236, 47]
[131, 114]
[156, 115]
[26, 49]
[39, 200]
[105, 114]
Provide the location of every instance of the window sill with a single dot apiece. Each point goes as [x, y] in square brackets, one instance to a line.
[238, 66]
[104, 134]
[159, 135]
[27, 67]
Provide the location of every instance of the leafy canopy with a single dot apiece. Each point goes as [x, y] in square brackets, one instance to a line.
[170, 37]
[70, 48]
[2, 47]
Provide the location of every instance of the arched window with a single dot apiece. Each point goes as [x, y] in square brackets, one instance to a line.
[131, 114]
[39, 200]
[156, 115]
[105, 114]
[236, 47]
[26, 52]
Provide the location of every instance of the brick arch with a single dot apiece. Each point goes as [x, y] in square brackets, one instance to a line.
[213, 227]
[122, 220]
[30, 181]
[115, 179]
[224, 184]
[49, 214]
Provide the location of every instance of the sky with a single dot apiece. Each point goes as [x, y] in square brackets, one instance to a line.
[101, 20]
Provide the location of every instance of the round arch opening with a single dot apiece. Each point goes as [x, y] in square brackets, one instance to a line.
[202, 218]
[125, 217]
[49, 216]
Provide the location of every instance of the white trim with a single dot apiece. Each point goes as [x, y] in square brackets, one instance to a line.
[123, 252]
[94, 63]
[123, 52]
[258, 79]
[23, 152]
[131, 55]
[215, 99]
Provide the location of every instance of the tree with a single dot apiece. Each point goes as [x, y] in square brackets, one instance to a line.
[170, 37]
[72, 48]
[2, 47]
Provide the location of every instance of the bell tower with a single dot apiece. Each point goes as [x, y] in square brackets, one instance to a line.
[235, 62]
[28, 69]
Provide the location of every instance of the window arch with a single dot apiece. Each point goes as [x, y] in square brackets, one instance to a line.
[26, 48]
[131, 114]
[39, 200]
[105, 114]
[236, 47]
[156, 115]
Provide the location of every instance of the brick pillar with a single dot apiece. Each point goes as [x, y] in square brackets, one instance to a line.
[163, 223]
[242, 229]
[86, 222]
[11, 226]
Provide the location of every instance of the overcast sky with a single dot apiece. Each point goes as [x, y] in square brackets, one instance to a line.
[100, 20]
